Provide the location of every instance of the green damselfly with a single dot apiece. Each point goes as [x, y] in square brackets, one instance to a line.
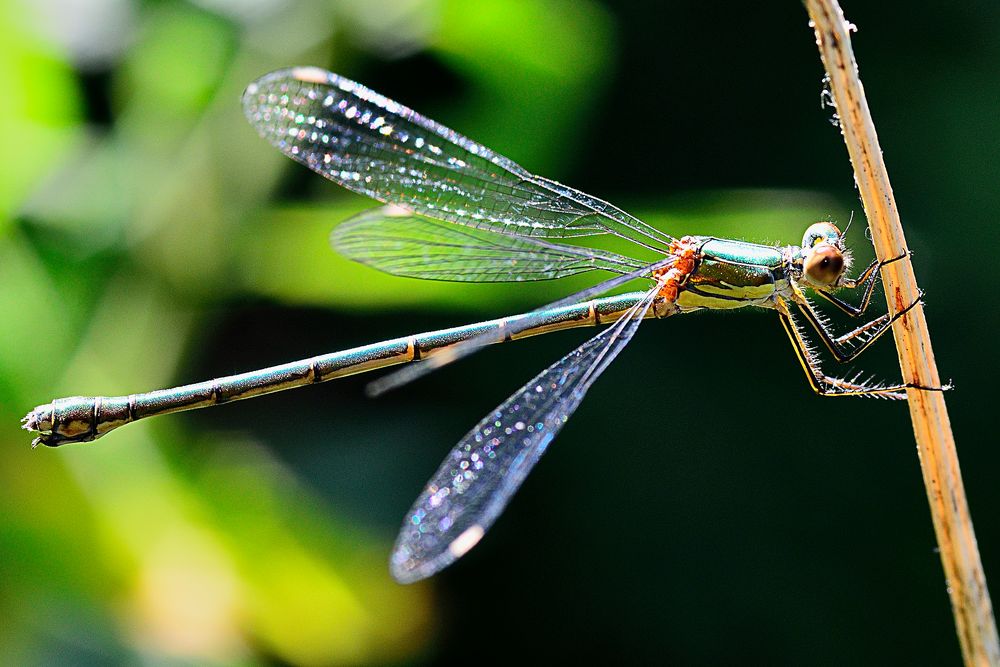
[456, 210]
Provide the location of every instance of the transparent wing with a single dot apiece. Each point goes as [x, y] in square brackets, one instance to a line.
[482, 472]
[453, 353]
[393, 240]
[377, 147]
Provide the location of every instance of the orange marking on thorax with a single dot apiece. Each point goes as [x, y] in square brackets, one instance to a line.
[672, 277]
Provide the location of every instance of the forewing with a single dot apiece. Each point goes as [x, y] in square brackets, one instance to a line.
[396, 241]
[482, 472]
[380, 148]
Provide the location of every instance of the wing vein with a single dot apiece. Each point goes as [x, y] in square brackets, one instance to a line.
[482, 472]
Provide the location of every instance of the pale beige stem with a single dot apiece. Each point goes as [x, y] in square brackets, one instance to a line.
[966, 582]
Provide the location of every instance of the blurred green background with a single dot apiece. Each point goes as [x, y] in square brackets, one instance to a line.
[702, 507]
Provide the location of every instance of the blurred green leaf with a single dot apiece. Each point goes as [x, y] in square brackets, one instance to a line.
[174, 69]
[40, 115]
[561, 52]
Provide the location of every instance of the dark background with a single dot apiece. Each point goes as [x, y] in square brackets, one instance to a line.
[702, 506]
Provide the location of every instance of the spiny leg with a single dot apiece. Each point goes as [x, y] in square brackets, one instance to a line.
[825, 385]
[867, 333]
[866, 281]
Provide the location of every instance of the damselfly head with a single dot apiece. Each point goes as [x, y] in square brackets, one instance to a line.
[824, 257]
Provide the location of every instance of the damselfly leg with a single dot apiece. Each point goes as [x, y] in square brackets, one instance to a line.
[848, 346]
[826, 385]
[866, 281]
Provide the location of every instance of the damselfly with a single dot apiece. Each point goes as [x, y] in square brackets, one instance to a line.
[458, 211]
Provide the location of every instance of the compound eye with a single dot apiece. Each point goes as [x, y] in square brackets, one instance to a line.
[821, 232]
[824, 265]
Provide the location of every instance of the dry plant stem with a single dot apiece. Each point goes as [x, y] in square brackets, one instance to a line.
[963, 569]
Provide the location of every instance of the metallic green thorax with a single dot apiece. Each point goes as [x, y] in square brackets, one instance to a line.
[733, 274]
